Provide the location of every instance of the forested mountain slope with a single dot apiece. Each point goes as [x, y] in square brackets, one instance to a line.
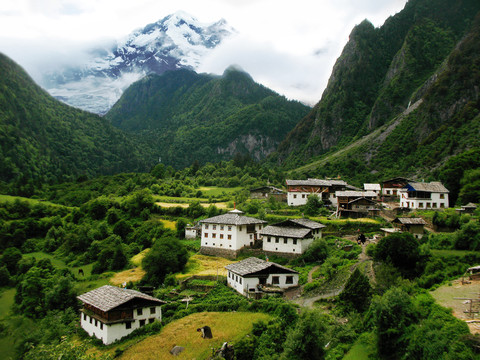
[198, 117]
[44, 139]
[382, 71]
[437, 136]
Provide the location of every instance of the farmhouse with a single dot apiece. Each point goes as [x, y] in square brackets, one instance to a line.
[224, 235]
[392, 186]
[376, 188]
[192, 231]
[254, 277]
[356, 203]
[110, 313]
[299, 190]
[414, 226]
[266, 192]
[290, 237]
[419, 195]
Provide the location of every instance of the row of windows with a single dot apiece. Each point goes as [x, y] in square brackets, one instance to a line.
[214, 236]
[128, 325]
[222, 227]
[277, 240]
[221, 245]
[93, 321]
[235, 278]
[152, 311]
[427, 205]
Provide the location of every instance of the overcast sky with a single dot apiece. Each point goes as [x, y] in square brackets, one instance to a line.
[287, 45]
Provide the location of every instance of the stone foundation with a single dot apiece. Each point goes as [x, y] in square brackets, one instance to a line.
[225, 253]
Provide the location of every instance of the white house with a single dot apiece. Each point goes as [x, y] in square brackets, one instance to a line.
[419, 195]
[291, 237]
[376, 188]
[110, 313]
[225, 234]
[192, 231]
[253, 277]
[299, 190]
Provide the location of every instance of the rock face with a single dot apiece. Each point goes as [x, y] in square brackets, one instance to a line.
[177, 41]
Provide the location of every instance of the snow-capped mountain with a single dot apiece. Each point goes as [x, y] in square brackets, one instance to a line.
[177, 41]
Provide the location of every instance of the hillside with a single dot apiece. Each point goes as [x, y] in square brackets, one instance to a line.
[421, 54]
[44, 139]
[189, 116]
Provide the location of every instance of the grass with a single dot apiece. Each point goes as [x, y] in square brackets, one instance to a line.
[448, 253]
[219, 205]
[205, 265]
[6, 301]
[9, 198]
[229, 327]
[57, 263]
[218, 191]
[137, 259]
[363, 349]
[134, 275]
[168, 224]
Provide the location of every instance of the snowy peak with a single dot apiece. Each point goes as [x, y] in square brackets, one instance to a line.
[177, 41]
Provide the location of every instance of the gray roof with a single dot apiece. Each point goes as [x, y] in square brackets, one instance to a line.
[307, 223]
[372, 187]
[410, 221]
[316, 182]
[252, 265]
[109, 297]
[355, 194]
[470, 205]
[434, 186]
[284, 231]
[233, 217]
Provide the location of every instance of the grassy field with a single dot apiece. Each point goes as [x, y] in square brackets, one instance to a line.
[363, 349]
[168, 224]
[219, 205]
[6, 301]
[205, 265]
[229, 327]
[9, 198]
[218, 191]
[448, 253]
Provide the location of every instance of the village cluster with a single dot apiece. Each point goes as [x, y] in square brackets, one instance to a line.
[110, 313]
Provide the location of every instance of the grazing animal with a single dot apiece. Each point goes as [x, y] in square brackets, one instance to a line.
[206, 332]
[80, 272]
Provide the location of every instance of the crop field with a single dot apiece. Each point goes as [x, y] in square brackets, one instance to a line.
[205, 265]
[226, 327]
[219, 205]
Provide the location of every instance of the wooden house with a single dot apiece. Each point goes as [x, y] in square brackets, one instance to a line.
[255, 277]
[376, 188]
[392, 186]
[299, 190]
[414, 226]
[356, 204]
[224, 235]
[110, 313]
[290, 237]
[266, 192]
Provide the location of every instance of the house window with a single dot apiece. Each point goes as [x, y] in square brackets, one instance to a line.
[294, 196]
[101, 326]
[251, 236]
[229, 228]
[96, 323]
[229, 237]
[442, 205]
[221, 236]
[434, 205]
[285, 241]
[221, 227]
[420, 205]
[269, 239]
[275, 280]
[85, 317]
[214, 227]
[128, 325]
[139, 312]
[240, 281]
[152, 310]
[214, 235]
[142, 322]
[289, 280]
[206, 226]
[442, 196]
[276, 240]
[151, 320]
[388, 192]
[205, 235]
[91, 320]
[303, 196]
[294, 241]
[240, 228]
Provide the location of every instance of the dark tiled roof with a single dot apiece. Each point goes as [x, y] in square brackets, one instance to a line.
[252, 265]
[410, 221]
[285, 231]
[233, 217]
[435, 186]
[316, 182]
[308, 223]
[109, 297]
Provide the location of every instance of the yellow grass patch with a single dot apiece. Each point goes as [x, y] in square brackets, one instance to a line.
[229, 327]
[132, 275]
[205, 265]
[172, 225]
[219, 205]
[137, 259]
